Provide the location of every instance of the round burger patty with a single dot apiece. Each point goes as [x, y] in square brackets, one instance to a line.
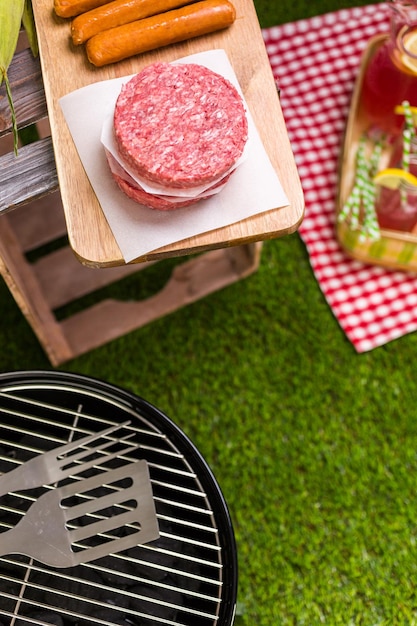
[151, 201]
[180, 125]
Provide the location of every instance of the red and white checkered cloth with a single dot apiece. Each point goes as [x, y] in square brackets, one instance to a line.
[315, 62]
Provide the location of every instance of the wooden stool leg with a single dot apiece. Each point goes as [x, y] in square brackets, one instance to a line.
[24, 287]
[58, 278]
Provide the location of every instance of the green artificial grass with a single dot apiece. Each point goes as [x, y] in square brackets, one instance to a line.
[314, 446]
[273, 12]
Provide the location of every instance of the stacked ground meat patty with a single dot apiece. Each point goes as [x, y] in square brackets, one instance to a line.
[180, 131]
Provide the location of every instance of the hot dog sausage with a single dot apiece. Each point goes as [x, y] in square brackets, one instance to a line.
[69, 8]
[117, 13]
[160, 30]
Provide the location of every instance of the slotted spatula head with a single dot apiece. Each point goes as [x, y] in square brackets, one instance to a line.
[88, 519]
[69, 459]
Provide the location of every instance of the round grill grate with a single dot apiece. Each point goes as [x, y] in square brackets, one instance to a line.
[186, 577]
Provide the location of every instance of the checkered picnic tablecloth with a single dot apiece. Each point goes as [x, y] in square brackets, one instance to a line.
[315, 62]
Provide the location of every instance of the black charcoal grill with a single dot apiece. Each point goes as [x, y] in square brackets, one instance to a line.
[186, 577]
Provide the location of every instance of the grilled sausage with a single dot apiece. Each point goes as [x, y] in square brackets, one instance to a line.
[70, 8]
[160, 30]
[117, 13]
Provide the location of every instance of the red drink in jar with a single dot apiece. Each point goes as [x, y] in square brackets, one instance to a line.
[396, 209]
[386, 84]
[391, 76]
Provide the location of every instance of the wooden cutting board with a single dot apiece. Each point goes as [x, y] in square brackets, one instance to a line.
[66, 68]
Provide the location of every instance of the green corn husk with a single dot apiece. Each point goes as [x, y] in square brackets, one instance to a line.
[29, 26]
[12, 13]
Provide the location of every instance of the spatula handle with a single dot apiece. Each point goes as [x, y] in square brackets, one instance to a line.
[16, 541]
[20, 478]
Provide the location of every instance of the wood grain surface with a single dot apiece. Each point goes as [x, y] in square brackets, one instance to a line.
[66, 68]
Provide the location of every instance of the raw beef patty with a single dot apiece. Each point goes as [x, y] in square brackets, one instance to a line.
[180, 126]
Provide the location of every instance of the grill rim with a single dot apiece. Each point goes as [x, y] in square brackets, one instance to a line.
[165, 424]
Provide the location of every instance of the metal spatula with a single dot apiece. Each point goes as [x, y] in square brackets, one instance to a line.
[67, 460]
[113, 516]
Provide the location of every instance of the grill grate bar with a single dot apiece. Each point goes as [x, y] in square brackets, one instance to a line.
[99, 467]
[59, 441]
[184, 523]
[164, 568]
[188, 557]
[22, 431]
[79, 544]
[148, 547]
[184, 507]
[179, 555]
[9, 509]
[86, 600]
[22, 590]
[71, 430]
[160, 585]
[70, 412]
[175, 504]
[18, 446]
[172, 570]
[177, 580]
[188, 524]
[95, 620]
[27, 620]
[176, 538]
[174, 470]
[170, 453]
[193, 542]
[77, 579]
[38, 420]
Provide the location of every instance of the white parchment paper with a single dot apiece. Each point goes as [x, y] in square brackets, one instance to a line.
[253, 188]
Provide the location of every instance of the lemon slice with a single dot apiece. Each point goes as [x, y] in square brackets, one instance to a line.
[410, 46]
[393, 178]
[399, 110]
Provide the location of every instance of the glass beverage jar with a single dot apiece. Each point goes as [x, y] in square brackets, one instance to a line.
[396, 209]
[391, 76]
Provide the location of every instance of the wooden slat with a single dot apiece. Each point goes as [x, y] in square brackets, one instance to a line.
[189, 282]
[39, 222]
[27, 176]
[63, 278]
[27, 89]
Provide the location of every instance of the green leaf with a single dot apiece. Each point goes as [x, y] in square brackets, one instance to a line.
[29, 26]
[11, 105]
